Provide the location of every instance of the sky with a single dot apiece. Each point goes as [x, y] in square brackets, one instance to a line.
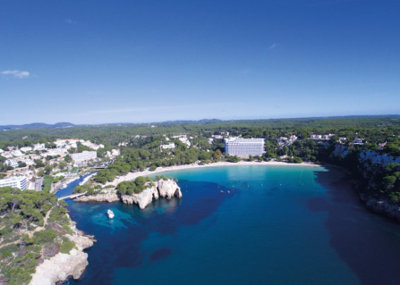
[97, 61]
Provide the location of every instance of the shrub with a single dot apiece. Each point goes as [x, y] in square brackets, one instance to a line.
[67, 245]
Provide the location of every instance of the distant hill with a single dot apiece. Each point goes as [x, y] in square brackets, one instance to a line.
[189, 121]
[37, 126]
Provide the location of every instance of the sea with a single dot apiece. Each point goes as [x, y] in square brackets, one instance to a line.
[242, 225]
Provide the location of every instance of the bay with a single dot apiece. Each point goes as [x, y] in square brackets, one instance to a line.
[243, 225]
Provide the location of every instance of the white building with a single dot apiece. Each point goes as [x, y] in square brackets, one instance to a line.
[83, 156]
[7, 154]
[54, 152]
[244, 147]
[92, 145]
[358, 141]
[168, 146]
[11, 162]
[321, 137]
[185, 141]
[17, 153]
[39, 146]
[26, 149]
[1, 151]
[15, 182]
[217, 137]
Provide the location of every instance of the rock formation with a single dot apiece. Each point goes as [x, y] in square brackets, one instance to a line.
[162, 188]
[107, 195]
[61, 266]
[383, 207]
[168, 189]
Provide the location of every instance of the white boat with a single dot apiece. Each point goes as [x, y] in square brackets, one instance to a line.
[64, 185]
[110, 214]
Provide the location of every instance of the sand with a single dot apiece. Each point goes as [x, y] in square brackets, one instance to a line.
[133, 175]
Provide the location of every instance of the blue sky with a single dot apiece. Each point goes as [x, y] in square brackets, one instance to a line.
[98, 61]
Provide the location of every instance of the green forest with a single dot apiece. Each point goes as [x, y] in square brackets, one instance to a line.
[33, 226]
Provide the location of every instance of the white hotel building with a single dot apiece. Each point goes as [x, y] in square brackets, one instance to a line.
[244, 147]
[83, 156]
[15, 182]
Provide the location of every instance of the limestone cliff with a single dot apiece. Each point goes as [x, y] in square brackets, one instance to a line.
[162, 188]
[61, 266]
[168, 189]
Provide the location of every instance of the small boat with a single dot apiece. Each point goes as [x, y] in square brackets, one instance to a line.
[64, 185]
[110, 214]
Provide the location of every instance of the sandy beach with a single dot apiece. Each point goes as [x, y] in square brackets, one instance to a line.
[133, 175]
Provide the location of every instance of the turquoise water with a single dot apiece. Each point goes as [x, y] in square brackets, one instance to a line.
[277, 225]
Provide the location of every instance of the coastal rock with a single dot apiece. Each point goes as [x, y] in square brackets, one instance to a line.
[107, 195]
[61, 266]
[384, 207]
[168, 189]
[162, 188]
[142, 199]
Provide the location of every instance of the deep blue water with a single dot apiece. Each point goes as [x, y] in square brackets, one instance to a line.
[278, 225]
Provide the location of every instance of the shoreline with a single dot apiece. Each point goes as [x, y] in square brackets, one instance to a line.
[133, 175]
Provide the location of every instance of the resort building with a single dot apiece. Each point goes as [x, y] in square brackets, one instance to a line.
[26, 149]
[321, 137]
[244, 147]
[15, 182]
[39, 146]
[83, 156]
[168, 146]
[11, 162]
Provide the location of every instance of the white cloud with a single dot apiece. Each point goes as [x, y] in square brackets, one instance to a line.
[69, 21]
[16, 73]
[274, 46]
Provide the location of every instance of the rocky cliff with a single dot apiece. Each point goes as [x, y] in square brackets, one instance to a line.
[61, 266]
[382, 206]
[162, 188]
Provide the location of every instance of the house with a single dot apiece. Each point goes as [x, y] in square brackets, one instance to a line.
[11, 162]
[168, 146]
[382, 145]
[17, 153]
[217, 137]
[358, 141]
[39, 146]
[26, 149]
